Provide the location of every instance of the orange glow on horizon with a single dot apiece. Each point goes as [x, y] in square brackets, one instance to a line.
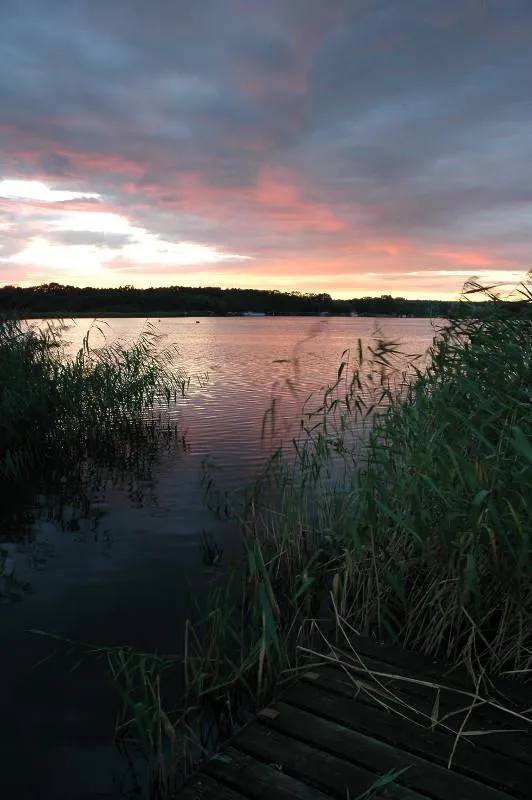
[273, 218]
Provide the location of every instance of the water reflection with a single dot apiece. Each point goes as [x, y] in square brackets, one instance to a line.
[71, 497]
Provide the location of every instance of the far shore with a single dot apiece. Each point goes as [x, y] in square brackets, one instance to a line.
[194, 315]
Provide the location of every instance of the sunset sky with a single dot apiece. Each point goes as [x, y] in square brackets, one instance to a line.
[355, 147]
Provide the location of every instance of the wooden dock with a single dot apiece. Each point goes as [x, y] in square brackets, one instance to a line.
[377, 711]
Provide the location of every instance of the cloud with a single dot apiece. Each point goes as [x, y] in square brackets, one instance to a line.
[93, 241]
[41, 193]
[113, 241]
[329, 143]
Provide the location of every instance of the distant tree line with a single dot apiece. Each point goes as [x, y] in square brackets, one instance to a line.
[54, 299]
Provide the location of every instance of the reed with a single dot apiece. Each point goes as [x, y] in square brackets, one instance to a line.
[439, 539]
[52, 408]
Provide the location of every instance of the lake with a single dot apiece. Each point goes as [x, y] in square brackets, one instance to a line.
[114, 559]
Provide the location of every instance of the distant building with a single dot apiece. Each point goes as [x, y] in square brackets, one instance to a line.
[254, 314]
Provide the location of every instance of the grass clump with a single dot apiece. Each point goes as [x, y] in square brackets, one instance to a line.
[437, 547]
[53, 407]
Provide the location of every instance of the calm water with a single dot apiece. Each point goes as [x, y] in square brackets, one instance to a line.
[118, 561]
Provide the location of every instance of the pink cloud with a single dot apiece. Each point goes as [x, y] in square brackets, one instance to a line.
[277, 200]
[29, 148]
[466, 257]
[103, 163]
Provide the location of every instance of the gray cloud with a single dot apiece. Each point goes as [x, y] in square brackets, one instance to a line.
[106, 240]
[409, 119]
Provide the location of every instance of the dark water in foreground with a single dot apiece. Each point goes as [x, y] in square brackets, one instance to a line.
[118, 562]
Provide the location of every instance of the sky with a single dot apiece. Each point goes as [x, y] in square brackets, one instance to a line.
[355, 147]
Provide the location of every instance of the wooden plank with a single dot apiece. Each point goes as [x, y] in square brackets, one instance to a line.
[258, 780]
[429, 668]
[422, 776]
[497, 771]
[202, 787]
[311, 766]
[327, 738]
[515, 746]
[449, 699]
[422, 699]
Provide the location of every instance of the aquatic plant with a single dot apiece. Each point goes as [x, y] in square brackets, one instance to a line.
[52, 408]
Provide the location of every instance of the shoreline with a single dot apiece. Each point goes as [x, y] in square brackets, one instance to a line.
[192, 315]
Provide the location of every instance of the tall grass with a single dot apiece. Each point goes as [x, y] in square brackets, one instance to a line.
[53, 407]
[422, 536]
[442, 509]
